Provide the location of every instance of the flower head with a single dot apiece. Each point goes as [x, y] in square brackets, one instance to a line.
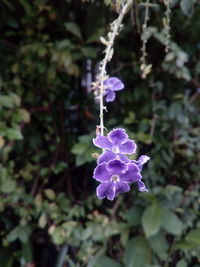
[115, 170]
[115, 177]
[111, 85]
[116, 143]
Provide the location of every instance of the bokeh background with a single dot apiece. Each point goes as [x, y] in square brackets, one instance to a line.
[50, 216]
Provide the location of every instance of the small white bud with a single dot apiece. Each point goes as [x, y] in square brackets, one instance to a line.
[103, 40]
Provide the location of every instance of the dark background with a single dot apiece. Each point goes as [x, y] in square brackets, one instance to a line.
[48, 118]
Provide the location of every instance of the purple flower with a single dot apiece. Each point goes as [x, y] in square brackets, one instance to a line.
[115, 170]
[115, 177]
[116, 144]
[110, 86]
[106, 156]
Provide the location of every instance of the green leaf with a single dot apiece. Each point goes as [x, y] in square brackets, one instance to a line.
[14, 134]
[171, 223]
[13, 235]
[38, 200]
[44, 171]
[63, 44]
[174, 110]
[193, 236]
[78, 149]
[89, 52]
[21, 232]
[73, 69]
[184, 245]
[24, 234]
[42, 220]
[182, 263]
[50, 194]
[27, 252]
[131, 118]
[58, 237]
[24, 114]
[187, 7]
[8, 186]
[6, 101]
[106, 261]
[59, 167]
[15, 99]
[73, 28]
[134, 215]
[143, 137]
[95, 37]
[42, 51]
[151, 220]
[27, 7]
[86, 233]
[159, 245]
[80, 160]
[137, 252]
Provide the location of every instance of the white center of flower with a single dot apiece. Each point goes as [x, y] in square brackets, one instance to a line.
[115, 178]
[115, 149]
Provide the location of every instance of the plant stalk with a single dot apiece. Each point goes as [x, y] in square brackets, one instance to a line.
[101, 77]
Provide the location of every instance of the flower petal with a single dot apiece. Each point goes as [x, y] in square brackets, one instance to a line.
[102, 142]
[101, 173]
[123, 158]
[110, 96]
[116, 166]
[132, 174]
[121, 187]
[117, 136]
[105, 190]
[118, 86]
[141, 186]
[114, 84]
[128, 148]
[106, 156]
[141, 161]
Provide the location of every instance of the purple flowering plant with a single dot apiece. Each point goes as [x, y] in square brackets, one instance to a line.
[115, 170]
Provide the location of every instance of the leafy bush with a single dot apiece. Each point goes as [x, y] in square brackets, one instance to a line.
[47, 120]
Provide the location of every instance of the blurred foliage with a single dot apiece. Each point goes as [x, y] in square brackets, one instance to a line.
[49, 50]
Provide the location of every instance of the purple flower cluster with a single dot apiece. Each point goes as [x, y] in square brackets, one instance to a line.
[111, 85]
[115, 170]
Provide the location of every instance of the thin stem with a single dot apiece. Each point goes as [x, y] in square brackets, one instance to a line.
[167, 20]
[61, 256]
[144, 67]
[144, 27]
[115, 28]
